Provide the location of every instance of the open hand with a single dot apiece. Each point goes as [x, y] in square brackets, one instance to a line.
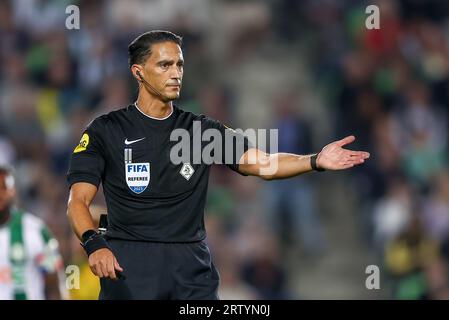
[334, 157]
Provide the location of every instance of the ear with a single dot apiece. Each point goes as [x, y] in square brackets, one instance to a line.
[136, 70]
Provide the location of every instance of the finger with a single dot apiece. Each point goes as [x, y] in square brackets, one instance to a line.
[111, 269]
[350, 159]
[97, 271]
[362, 154]
[117, 265]
[94, 270]
[104, 269]
[345, 166]
[355, 158]
[355, 161]
[345, 141]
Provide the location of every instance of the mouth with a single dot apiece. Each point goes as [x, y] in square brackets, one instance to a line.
[176, 88]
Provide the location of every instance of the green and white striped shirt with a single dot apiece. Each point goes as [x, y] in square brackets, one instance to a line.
[27, 252]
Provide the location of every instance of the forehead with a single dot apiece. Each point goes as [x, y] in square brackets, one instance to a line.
[165, 51]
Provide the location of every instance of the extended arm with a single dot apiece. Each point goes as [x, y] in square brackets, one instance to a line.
[285, 165]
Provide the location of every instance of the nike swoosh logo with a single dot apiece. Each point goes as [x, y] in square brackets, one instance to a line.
[132, 141]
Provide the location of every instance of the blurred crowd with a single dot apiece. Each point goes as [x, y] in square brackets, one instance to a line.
[388, 87]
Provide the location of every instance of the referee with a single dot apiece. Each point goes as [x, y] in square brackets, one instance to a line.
[154, 247]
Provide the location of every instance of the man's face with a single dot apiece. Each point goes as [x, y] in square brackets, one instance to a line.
[164, 69]
[7, 191]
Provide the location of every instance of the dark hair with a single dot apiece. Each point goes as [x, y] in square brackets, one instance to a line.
[6, 169]
[140, 48]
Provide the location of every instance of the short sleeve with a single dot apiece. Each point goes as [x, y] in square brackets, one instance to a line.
[87, 160]
[234, 144]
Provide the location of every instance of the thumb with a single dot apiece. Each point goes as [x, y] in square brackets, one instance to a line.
[345, 141]
[117, 266]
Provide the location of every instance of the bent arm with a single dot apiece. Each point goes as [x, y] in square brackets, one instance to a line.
[81, 196]
[102, 261]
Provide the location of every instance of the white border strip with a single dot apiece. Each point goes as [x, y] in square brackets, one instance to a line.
[160, 119]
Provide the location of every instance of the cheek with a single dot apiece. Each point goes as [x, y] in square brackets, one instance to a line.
[156, 77]
[163, 79]
[6, 196]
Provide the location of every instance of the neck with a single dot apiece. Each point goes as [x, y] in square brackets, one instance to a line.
[153, 106]
[4, 216]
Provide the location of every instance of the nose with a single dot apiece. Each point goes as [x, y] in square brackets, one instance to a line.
[176, 73]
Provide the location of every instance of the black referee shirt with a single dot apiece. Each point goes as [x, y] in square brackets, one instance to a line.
[148, 197]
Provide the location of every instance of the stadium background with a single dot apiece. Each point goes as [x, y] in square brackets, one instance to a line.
[308, 68]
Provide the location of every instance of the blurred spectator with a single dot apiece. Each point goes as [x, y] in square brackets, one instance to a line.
[436, 208]
[30, 263]
[407, 257]
[292, 201]
[392, 213]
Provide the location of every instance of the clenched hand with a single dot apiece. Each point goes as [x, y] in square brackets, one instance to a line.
[104, 264]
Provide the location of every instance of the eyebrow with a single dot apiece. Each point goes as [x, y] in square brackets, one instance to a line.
[169, 62]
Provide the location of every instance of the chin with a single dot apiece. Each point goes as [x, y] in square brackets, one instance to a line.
[171, 97]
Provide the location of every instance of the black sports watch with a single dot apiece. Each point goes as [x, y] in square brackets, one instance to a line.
[313, 163]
